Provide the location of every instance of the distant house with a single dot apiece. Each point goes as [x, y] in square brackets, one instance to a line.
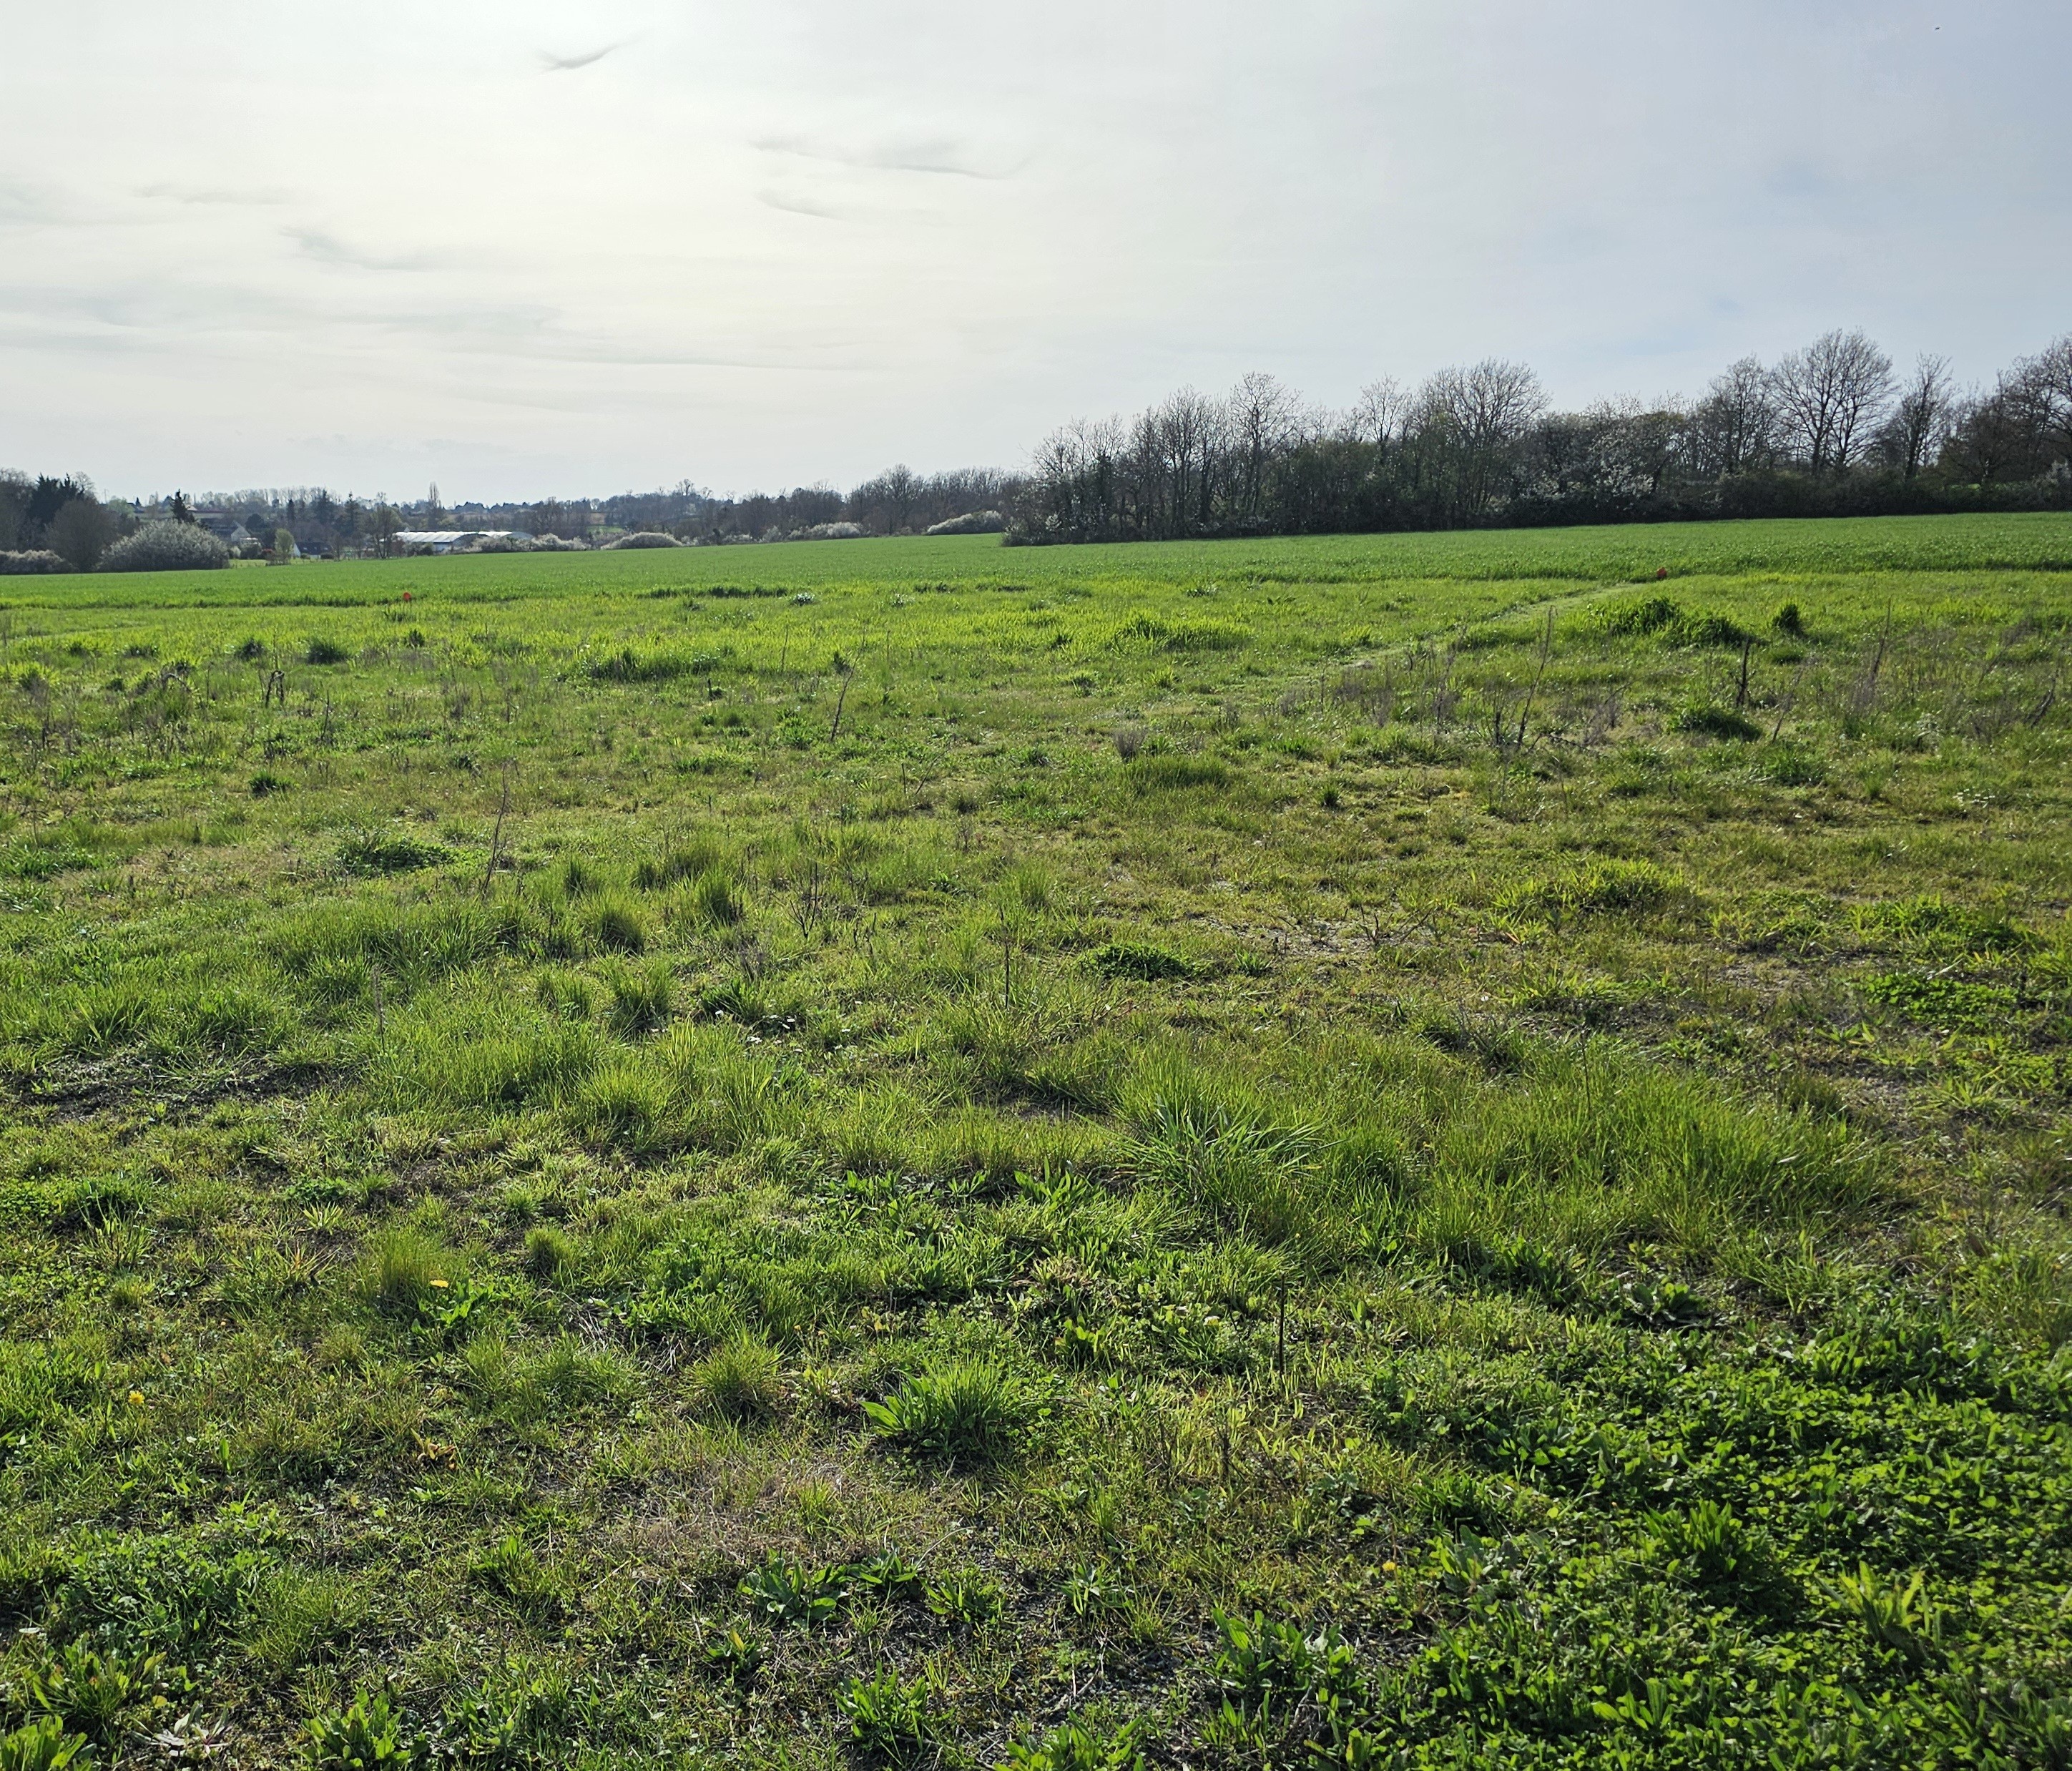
[225, 527]
[452, 541]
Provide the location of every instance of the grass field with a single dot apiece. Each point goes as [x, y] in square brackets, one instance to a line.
[1386, 1150]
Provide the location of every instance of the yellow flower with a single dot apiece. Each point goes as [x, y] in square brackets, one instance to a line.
[438, 1284]
[1389, 1567]
[135, 1399]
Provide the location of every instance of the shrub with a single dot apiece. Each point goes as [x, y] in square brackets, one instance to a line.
[640, 539]
[321, 650]
[1789, 619]
[740, 1380]
[33, 561]
[964, 1410]
[167, 547]
[971, 523]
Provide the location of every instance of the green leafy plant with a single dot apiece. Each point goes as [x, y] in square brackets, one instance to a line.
[44, 1745]
[965, 1599]
[367, 1734]
[783, 1592]
[734, 1654]
[888, 1717]
[1074, 1747]
[102, 1694]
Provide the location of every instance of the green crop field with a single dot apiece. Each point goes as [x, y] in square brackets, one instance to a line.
[1391, 1151]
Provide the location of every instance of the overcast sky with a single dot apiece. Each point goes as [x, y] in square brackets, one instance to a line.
[524, 248]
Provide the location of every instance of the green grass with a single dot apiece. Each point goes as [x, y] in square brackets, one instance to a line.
[1351, 1151]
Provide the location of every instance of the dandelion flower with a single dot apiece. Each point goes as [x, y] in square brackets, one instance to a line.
[135, 1399]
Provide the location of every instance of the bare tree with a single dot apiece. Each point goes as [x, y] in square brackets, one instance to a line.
[1262, 419]
[1471, 423]
[2046, 381]
[1380, 414]
[1736, 423]
[1830, 396]
[1922, 416]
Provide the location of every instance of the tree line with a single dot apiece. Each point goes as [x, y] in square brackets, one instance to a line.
[59, 523]
[1832, 428]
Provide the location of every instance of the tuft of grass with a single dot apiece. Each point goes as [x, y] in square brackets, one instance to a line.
[1718, 722]
[377, 850]
[740, 1380]
[642, 999]
[1138, 959]
[629, 665]
[618, 927]
[404, 1269]
[967, 1412]
[1168, 774]
[716, 900]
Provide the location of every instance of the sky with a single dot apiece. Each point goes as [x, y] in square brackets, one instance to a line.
[528, 248]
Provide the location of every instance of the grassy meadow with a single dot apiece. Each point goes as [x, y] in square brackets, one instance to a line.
[1368, 1152]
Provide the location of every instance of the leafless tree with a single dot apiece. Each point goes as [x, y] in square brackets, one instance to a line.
[2046, 382]
[1470, 422]
[1380, 415]
[1830, 396]
[1261, 419]
[1921, 417]
[1735, 426]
